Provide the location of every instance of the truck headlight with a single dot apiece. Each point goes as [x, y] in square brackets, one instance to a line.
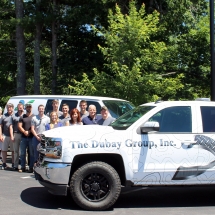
[50, 147]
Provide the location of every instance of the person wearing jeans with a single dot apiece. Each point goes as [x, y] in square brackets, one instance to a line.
[26, 142]
[38, 124]
[24, 126]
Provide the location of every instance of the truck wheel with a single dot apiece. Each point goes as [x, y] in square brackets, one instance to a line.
[95, 186]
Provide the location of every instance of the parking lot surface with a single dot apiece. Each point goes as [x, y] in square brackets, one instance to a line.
[20, 193]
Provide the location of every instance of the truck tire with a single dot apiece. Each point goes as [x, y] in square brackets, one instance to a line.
[95, 186]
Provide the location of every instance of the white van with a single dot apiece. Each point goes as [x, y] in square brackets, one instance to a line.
[116, 107]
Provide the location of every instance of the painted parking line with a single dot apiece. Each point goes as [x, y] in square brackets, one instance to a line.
[30, 176]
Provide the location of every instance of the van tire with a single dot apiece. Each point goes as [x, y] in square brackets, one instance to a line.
[95, 186]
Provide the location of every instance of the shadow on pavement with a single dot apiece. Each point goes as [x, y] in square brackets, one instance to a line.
[39, 197]
[146, 198]
[185, 196]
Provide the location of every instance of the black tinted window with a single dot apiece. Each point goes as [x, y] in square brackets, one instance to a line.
[49, 108]
[174, 119]
[72, 104]
[208, 119]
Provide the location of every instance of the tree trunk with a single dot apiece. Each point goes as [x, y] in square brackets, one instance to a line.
[20, 49]
[37, 51]
[54, 47]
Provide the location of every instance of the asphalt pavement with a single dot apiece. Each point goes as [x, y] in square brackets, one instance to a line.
[21, 194]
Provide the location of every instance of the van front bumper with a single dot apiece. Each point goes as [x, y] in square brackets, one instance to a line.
[53, 176]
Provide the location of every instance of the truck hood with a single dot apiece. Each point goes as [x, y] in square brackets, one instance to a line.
[74, 132]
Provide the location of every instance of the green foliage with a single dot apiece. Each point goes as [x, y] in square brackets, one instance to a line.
[160, 49]
[130, 53]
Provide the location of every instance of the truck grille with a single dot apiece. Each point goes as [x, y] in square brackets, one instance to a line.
[41, 156]
[43, 145]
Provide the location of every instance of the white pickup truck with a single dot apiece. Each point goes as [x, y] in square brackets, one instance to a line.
[165, 143]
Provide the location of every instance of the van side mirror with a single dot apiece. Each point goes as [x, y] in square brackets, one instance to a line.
[148, 127]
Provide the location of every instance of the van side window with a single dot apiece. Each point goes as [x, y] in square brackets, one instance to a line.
[48, 107]
[208, 118]
[72, 104]
[98, 106]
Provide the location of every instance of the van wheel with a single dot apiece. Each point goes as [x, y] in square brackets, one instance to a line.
[95, 186]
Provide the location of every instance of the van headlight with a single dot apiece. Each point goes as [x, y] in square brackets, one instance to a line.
[50, 147]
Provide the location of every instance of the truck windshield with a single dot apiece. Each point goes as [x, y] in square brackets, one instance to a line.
[126, 120]
[118, 108]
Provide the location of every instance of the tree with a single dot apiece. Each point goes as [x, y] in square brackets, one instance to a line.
[37, 42]
[8, 57]
[131, 53]
[54, 45]
[20, 44]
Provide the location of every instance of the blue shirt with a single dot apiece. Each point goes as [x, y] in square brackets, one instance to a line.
[89, 121]
[59, 124]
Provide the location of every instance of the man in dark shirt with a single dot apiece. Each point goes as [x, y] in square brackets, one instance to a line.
[92, 119]
[24, 126]
[16, 134]
[6, 134]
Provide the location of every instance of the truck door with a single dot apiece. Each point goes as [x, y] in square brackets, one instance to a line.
[158, 156]
[205, 139]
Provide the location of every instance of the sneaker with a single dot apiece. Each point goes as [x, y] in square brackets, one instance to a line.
[15, 169]
[22, 170]
[30, 170]
[4, 166]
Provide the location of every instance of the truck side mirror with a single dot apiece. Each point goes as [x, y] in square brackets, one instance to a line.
[148, 127]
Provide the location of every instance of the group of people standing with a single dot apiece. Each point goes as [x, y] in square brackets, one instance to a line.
[22, 131]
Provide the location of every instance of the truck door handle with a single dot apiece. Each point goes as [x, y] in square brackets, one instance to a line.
[188, 143]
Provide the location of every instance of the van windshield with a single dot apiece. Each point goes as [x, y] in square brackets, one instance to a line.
[118, 108]
[126, 120]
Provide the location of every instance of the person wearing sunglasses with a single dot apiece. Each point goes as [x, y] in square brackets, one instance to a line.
[24, 125]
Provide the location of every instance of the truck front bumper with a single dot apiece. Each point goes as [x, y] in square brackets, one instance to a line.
[53, 176]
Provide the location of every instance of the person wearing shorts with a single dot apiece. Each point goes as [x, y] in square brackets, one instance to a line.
[6, 134]
[17, 134]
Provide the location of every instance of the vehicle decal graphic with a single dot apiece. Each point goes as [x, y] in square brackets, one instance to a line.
[31, 101]
[203, 142]
[23, 102]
